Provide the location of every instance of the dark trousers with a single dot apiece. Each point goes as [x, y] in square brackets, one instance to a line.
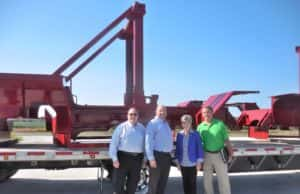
[189, 177]
[159, 176]
[127, 175]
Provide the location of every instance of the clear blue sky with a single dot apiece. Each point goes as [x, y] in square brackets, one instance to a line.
[192, 48]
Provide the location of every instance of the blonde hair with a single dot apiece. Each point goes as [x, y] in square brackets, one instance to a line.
[187, 118]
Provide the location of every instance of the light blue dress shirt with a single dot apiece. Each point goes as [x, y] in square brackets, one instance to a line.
[158, 137]
[185, 156]
[128, 138]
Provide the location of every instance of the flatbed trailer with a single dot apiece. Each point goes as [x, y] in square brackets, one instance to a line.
[49, 156]
[249, 155]
[261, 155]
[284, 153]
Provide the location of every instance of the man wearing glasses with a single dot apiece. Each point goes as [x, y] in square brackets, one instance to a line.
[127, 153]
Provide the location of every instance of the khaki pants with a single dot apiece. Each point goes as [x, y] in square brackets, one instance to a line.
[213, 161]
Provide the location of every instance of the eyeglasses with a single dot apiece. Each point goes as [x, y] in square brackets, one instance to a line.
[132, 114]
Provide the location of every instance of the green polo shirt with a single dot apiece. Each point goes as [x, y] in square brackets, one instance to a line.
[213, 135]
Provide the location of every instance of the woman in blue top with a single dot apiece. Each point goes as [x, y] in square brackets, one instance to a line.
[189, 154]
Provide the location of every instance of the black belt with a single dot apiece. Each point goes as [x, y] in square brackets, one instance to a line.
[164, 153]
[213, 152]
[131, 153]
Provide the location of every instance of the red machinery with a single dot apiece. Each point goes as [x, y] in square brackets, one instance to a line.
[26, 95]
[23, 95]
[284, 113]
[218, 103]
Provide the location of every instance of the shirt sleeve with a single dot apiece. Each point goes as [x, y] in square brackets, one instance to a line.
[149, 139]
[113, 147]
[177, 149]
[200, 153]
[144, 130]
[198, 129]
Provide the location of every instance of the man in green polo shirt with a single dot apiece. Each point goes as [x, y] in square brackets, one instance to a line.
[214, 137]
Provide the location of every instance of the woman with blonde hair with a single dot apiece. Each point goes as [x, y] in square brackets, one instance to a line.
[189, 154]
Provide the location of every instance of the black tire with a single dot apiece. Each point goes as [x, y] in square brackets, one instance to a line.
[5, 174]
[144, 179]
[143, 182]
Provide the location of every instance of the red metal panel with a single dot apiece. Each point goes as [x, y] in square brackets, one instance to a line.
[270, 149]
[35, 153]
[243, 105]
[218, 101]
[34, 97]
[11, 96]
[58, 98]
[251, 149]
[63, 153]
[288, 148]
[254, 117]
[8, 153]
[286, 110]
[7, 111]
[255, 132]
[191, 103]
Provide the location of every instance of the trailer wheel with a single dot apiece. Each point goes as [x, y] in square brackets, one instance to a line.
[5, 174]
[144, 179]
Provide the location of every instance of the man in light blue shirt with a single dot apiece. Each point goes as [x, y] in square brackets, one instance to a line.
[127, 152]
[158, 145]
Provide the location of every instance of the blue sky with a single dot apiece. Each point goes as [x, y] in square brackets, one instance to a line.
[192, 48]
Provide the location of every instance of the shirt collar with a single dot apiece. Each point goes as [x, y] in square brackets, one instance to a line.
[159, 119]
[131, 125]
[190, 131]
[211, 123]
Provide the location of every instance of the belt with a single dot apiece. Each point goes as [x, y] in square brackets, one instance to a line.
[213, 152]
[130, 153]
[164, 153]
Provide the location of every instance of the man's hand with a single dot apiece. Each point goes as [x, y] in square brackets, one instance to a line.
[229, 159]
[153, 164]
[199, 166]
[230, 154]
[116, 164]
[229, 149]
